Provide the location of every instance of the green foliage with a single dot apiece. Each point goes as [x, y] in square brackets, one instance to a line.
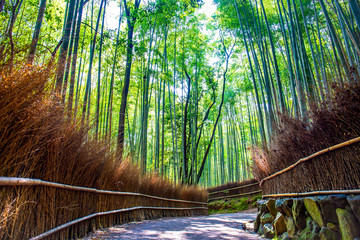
[233, 205]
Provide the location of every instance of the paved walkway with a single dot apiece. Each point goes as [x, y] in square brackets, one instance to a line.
[219, 226]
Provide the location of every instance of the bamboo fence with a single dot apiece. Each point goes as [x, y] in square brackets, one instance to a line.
[12, 181]
[237, 195]
[233, 192]
[104, 213]
[335, 147]
[234, 188]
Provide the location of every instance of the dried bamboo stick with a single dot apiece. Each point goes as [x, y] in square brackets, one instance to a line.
[229, 189]
[13, 181]
[237, 195]
[340, 145]
[351, 191]
[69, 224]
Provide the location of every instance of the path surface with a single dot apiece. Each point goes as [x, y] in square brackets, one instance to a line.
[219, 226]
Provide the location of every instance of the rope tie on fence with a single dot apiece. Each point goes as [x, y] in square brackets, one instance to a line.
[340, 145]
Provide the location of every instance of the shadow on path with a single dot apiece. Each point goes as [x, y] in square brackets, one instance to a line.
[220, 226]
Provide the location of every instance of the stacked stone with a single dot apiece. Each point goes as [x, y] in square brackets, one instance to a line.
[326, 217]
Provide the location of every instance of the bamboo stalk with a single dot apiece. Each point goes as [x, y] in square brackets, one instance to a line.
[340, 145]
[71, 223]
[13, 181]
[352, 191]
[238, 195]
[229, 189]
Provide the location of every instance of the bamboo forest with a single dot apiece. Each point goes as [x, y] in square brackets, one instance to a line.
[189, 88]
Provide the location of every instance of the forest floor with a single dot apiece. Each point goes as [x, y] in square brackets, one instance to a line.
[218, 226]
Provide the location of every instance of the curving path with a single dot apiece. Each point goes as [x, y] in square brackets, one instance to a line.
[219, 226]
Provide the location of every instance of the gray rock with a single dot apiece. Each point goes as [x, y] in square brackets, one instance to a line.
[298, 212]
[338, 201]
[262, 206]
[271, 207]
[290, 226]
[332, 226]
[284, 206]
[308, 236]
[257, 222]
[328, 234]
[285, 236]
[313, 209]
[349, 226]
[311, 232]
[279, 224]
[328, 210]
[328, 205]
[354, 202]
[266, 218]
[269, 231]
[260, 230]
[242, 226]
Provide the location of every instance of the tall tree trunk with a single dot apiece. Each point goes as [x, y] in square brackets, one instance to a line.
[336, 40]
[97, 111]
[112, 79]
[86, 103]
[15, 9]
[261, 125]
[75, 56]
[145, 104]
[68, 60]
[36, 33]
[131, 20]
[228, 55]
[184, 152]
[355, 9]
[323, 70]
[64, 46]
[295, 51]
[276, 68]
[165, 69]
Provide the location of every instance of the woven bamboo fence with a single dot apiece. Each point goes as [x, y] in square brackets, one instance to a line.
[333, 169]
[38, 209]
[233, 190]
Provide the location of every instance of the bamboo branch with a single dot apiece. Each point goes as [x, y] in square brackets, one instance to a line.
[340, 145]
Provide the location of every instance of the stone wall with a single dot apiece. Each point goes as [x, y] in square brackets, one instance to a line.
[323, 217]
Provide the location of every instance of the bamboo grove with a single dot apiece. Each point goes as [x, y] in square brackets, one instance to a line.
[180, 92]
